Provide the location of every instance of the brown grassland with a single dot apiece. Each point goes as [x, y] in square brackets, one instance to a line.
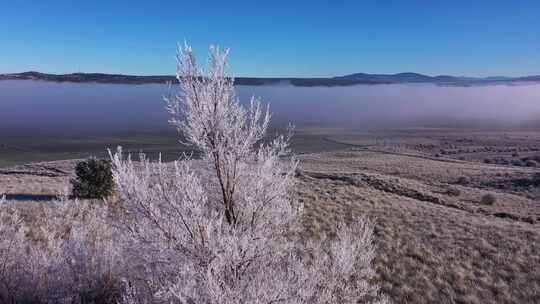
[450, 226]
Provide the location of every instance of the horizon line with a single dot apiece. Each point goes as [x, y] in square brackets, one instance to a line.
[277, 77]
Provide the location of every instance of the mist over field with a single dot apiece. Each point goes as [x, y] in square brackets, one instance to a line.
[382, 106]
[29, 106]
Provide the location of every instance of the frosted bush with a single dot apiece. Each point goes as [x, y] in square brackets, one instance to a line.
[225, 228]
[68, 254]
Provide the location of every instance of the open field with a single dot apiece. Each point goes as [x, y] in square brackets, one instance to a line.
[438, 242]
[439, 239]
[513, 148]
[18, 149]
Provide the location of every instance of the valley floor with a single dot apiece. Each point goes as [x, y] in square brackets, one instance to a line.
[437, 241]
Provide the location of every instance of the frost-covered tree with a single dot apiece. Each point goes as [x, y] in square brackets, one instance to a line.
[225, 228]
[210, 118]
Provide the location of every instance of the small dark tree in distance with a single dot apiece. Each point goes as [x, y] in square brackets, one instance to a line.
[94, 179]
[536, 179]
[488, 199]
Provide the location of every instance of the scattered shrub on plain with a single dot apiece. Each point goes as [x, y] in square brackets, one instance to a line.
[94, 179]
[536, 179]
[463, 180]
[488, 199]
[451, 191]
[517, 163]
[531, 163]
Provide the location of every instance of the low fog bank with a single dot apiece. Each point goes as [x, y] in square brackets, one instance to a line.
[386, 106]
[38, 106]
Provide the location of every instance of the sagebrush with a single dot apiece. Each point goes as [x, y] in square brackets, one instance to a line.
[68, 255]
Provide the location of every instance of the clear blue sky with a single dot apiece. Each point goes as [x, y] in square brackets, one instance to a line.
[274, 38]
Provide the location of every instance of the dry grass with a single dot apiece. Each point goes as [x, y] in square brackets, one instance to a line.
[434, 245]
[433, 248]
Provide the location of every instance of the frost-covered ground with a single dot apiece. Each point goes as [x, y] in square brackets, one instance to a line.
[437, 241]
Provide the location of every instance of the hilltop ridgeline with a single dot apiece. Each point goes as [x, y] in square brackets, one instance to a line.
[352, 79]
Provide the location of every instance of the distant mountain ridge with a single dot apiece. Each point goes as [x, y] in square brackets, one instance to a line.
[352, 79]
[400, 77]
[409, 77]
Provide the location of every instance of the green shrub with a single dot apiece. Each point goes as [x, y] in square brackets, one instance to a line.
[517, 163]
[463, 180]
[488, 199]
[107, 291]
[536, 179]
[94, 179]
[531, 163]
[453, 191]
